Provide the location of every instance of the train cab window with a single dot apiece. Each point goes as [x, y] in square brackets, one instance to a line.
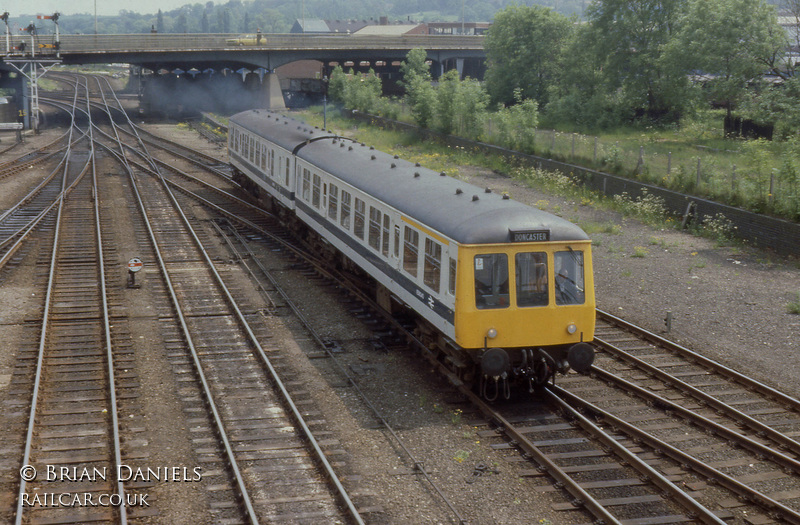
[432, 268]
[385, 243]
[374, 228]
[344, 219]
[410, 250]
[315, 193]
[531, 276]
[358, 220]
[451, 287]
[570, 285]
[306, 185]
[491, 281]
[333, 202]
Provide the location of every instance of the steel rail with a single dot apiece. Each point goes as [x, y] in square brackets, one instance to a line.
[239, 479]
[716, 476]
[43, 335]
[320, 454]
[748, 382]
[418, 465]
[690, 504]
[763, 451]
[107, 329]
[763, 430]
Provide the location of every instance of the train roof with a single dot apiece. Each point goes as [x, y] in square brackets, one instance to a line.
[458, 210]
[283, 131]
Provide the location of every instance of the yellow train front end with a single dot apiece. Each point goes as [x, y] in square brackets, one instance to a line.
[525, 310]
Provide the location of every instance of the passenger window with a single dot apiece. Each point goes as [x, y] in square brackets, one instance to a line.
[306, 185]
[374, 228]
[333, 202]
[397, 240]
[451, 288]
[344, 220]
[252, 148]
[410, 250]
[258, 153]
[570, 287]
[358, 221]
[385, 243]
[263, 158]
[531, 276]
[315, 194]
[287, 172]
[491, 281]
[433, 263]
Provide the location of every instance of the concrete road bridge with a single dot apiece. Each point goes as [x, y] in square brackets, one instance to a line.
[203, 51]
[200, 68]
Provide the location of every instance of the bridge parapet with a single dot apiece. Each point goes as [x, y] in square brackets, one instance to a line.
[197, 42]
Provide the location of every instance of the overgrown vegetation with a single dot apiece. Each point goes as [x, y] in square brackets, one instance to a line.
[793, 307]
[690, 155]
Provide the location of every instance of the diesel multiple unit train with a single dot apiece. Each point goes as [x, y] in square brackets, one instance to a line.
[502, 291]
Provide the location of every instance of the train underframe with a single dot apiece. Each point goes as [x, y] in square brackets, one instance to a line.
[494, 373]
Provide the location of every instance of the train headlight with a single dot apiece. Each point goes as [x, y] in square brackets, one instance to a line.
[491, 333]
[571, 328]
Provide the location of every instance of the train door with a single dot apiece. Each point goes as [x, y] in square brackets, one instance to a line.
[394, 242]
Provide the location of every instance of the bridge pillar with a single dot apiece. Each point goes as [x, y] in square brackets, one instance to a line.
[271, 94]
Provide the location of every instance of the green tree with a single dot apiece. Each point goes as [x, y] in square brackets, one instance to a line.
[624, 41]
[446, 101]
[421, 98]
[337, 86]
[471, 103]
[226, 21]
[420, 95]
[517, 124]
[731, 41]
[415, 65]
[181, 24]
[523, 47]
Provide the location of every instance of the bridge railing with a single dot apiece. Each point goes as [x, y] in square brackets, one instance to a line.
[157, 42]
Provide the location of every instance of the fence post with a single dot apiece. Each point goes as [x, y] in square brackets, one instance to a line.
[573, 145]
[669, 162]
[772, 187]
[733, 181]
[697, 185]
[640, 165]
[595, 149]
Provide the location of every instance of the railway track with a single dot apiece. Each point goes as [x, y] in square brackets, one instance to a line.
[637, 484]
[656, 434]
[257, 455]
[262, 428]
[73, 431]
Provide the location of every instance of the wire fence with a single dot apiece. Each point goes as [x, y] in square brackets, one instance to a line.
[706, 172]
